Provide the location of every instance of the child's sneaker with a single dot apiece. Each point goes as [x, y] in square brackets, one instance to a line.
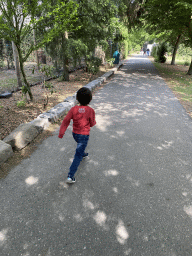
[71, 180]
[85, 155]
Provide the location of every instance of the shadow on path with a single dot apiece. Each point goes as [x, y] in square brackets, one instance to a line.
[132, 195]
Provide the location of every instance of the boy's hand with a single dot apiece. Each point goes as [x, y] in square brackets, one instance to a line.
[60, 136]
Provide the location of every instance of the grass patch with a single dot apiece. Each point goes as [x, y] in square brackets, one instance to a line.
[178, 80]
[180, 60]
[185, 92]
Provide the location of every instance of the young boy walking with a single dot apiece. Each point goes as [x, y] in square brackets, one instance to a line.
[83, 118]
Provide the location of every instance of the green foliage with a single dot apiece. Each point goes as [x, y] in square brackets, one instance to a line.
[77, 49]
[168, 19]
[21, 103]
[1, 49]
[1, 63]
[50, 87]
[24, 90]
[124, 49]
[96, 22]
[93, 64]
[154, 51]
[182, 84]
[186, 63]
[18, 19]
[184, 51]
[159, 53]
[137, 37]
[122, 39]
[8, 53]
[110, 62]
[46, 70]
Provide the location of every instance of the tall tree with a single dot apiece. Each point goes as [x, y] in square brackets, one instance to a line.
[174, 16]
[19, 18]
[96, 23]
[17, 67]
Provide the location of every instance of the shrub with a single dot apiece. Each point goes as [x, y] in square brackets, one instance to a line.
[186, 63]
[21, 103]
[110, 62]
[154, 51]
[162, 49]
[93, 64]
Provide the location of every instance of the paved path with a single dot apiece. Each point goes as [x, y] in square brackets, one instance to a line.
[132, 196]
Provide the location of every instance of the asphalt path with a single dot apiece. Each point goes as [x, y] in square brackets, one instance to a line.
[132, 196]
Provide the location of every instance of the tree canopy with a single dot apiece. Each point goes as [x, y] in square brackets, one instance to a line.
[170, 20]
[18, 18]
[75, 27]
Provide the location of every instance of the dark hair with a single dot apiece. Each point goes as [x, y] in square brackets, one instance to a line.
[84, 96]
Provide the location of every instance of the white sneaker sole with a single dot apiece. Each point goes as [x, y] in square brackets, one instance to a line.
[70, 181]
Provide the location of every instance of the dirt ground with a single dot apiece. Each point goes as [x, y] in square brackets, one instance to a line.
[11, 115]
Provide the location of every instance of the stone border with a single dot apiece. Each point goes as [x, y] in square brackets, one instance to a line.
[25, 133]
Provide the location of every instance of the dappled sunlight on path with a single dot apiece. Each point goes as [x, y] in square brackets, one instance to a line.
[133, 193]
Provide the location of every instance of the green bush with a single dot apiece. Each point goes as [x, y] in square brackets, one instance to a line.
[161, 53]
[2, 63]
[21, 103]
[110, 62]
[158, 52]
[93, 64]
[186, 63]
[77, 51]
[154, 51]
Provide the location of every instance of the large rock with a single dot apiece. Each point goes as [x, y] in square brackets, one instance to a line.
[22, 136]
[5, 152]
[58, 111]
[71, 99]
[40, 123]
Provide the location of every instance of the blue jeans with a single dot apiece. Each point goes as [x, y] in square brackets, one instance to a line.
[82, 141]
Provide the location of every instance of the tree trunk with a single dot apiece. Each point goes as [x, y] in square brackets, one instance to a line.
[86, 68]
[26, 88]
[36, 53]
[189, 72]
[7, 54]
[65, 58]
[190, 34]
[175, 50]
[17, 68]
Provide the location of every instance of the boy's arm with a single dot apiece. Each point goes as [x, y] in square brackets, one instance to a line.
[65, 124]
[92, 119]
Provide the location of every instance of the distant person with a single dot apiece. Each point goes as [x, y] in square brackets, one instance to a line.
[83, 118]
[148, 52]
[116, 56]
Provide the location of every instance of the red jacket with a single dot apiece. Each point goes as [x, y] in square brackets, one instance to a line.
[83, 118]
